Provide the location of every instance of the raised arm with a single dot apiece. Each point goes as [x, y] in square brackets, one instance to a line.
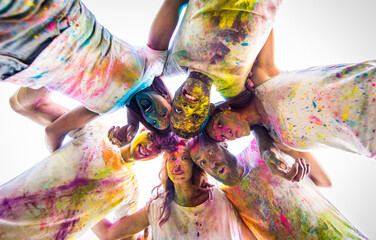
[317, 174]
[125, 227]
[164, 24]
[264, 65]
[276, 164]
[74, 119]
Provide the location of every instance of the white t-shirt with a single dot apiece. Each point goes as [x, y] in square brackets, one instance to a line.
[216, 219]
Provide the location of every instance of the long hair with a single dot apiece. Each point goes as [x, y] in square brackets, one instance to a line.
[159, 87]
[166, 190]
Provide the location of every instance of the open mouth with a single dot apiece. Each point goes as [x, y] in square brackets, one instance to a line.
[146, 105]
[178, 172]
[188, 96]
[142, 150]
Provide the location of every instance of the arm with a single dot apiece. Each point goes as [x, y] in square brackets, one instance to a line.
[125, 227]
[74, 119]
[277, 165]
[164, 24]
[317, 174]
[264, 65]
[246, 233]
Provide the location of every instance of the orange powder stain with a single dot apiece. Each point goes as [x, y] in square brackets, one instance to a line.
[112, 159]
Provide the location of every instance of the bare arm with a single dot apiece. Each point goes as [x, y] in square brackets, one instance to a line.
[264, 66]
[246, 233]
[74, 119]
[125, 227]
[164, 24]
[317, 174]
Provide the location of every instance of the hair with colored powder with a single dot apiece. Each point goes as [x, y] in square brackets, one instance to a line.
[159, 87]
[199, 180]
[167, 143]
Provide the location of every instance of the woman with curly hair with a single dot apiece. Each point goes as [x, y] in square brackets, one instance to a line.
[188, 207]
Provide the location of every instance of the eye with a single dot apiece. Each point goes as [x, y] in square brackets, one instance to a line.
[185, 158]
[210, 151]
[223, 137]
[221, 170]
[172, 158]
[178, 110]
[154, 122]
[196, 116]
[150, 135]
[220, 124]
[203, 163]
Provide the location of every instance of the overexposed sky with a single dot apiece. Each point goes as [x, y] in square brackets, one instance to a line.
[307, 33]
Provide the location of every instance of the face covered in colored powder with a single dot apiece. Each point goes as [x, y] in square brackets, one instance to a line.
[144, 148]
[179, 165]
[227, 125]
[154, 108]
[190, 107]
[216, 160]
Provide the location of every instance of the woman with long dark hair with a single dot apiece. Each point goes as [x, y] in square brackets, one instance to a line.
[188, 207]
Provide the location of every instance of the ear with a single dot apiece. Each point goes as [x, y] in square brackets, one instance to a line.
[211, 109]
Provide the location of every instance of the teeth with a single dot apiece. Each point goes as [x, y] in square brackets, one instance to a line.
[143, 151]
[190, 97]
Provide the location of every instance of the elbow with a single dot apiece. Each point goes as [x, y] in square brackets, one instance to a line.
[326, 182]
[15, 105]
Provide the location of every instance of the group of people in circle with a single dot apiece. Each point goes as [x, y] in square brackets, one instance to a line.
[57, 45]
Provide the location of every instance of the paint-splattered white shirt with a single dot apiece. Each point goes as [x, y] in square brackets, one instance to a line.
[323, 106]
[89, 64]
[65, 194]
[216, 218]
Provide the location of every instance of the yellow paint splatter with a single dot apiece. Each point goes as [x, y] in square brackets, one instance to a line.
[30, 3]
[303, 144]
[308, 129]
[345, 113]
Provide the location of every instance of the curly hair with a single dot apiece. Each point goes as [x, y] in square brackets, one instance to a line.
[166, 143]
[166, 189]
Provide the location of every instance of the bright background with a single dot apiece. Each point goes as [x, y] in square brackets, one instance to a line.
[307, 33]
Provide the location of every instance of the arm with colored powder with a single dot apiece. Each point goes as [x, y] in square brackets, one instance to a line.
[125, 227]
[276, 164]
[74, 119]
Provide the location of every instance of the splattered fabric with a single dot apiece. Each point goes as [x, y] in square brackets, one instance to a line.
[273, 208]
[89, 64]
[68, 192]
[329, 106]
[216, 218]
[222, 39]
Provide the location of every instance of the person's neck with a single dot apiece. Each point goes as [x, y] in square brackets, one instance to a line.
[253, 113]
[186, 194]
[126, 153]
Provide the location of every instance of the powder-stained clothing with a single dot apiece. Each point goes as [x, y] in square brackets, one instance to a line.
[89, 64]
[323, 106]
[222, 38]
[216, 218]
[65, 194]
[273, 208]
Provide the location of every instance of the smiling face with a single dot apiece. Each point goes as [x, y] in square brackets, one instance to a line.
[154, 108]
[227, 125]
[143, 147]
[179, 165]
[216, 160]
[190, 107]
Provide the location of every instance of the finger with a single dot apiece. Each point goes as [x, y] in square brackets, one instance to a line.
[117, 142]
[305, 167]
[292, 172]
[308, 169]
[249, 83]
[110, 131]
[301, 171]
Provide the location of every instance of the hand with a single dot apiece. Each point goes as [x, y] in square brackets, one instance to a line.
[122, 136]
[280, 168]
[249, 84]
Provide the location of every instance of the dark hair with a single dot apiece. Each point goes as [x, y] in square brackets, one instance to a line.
[199, 180]
[159, 87]
[167, 143]
[240, 101]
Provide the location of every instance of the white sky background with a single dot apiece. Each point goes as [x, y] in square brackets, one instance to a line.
[307, 33]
